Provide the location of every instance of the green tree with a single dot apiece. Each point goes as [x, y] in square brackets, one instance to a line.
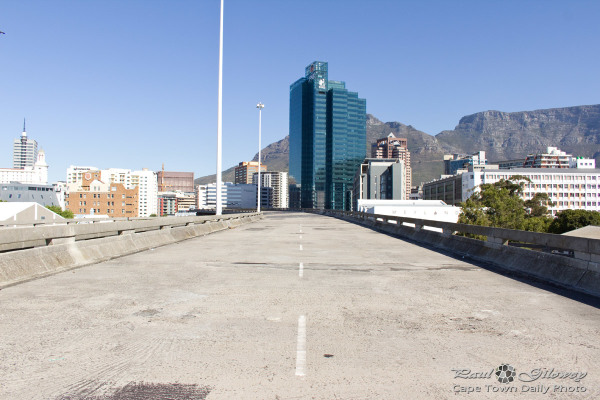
[500, 205]
[537, 206]
[61, 212]
[497, 204]
[569, 220]
[152, 215]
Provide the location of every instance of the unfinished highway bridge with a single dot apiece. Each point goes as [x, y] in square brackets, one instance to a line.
[294, 305]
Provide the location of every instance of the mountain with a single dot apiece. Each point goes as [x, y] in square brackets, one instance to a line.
[502, 135]
[426, 154]
[275, 156]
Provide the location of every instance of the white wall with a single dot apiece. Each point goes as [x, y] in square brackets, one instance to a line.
[435, 210]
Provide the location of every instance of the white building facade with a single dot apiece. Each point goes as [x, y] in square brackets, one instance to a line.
[37, 174]
[278, 197]
[433, 210]
[232, 195]
[568, 188]
[145, 180]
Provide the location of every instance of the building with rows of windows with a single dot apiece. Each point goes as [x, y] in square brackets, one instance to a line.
[144, 182]
[568, 188]
[327, 138]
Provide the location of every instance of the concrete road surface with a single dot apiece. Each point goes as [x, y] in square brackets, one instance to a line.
[295, 306]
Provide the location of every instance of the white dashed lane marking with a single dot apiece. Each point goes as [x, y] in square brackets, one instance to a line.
[301, 347]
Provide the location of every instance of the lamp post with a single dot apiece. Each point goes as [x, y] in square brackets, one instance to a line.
[260, 106]
[219, 206]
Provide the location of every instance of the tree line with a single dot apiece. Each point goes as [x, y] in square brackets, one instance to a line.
[500, 205]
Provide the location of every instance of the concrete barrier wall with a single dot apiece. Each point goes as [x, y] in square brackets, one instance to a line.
[580, 273]
[78, 245]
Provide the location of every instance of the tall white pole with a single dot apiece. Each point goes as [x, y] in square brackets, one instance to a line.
[260, 106]
[219, 209]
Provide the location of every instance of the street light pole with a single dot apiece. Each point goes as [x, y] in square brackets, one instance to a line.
[219, 208]
[260, 106]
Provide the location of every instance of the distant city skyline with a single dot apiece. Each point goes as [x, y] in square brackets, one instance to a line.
[134, 84]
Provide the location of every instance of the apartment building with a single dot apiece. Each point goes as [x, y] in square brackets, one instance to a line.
[95, 197]
[145, 180]
[245, 170]
[393, 147]
[278, 196]
[553, 158]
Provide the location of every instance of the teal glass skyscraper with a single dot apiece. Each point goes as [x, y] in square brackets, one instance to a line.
[327, 138]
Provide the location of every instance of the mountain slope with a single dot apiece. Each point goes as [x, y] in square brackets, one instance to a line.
[501, 135]
[426, 154]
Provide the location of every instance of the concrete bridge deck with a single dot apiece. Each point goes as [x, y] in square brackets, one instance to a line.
[295, 306]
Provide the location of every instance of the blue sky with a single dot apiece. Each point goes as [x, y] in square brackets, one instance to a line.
[133, 83]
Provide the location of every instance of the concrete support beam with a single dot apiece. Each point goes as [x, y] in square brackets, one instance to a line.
[62, 240]
[447, 232]
[497, 240]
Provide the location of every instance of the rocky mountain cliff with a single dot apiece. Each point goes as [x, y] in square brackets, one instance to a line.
[503, 136]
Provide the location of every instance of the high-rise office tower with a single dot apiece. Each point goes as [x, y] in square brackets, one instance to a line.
[25, 151]
[327, 138]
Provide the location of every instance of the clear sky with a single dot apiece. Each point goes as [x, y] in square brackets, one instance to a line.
[133, 83]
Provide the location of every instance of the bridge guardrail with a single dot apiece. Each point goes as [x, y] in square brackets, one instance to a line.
[584, 249]
[579, 272]
[53, 232]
